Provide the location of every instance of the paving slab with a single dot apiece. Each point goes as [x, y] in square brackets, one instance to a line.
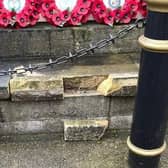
[111, 152]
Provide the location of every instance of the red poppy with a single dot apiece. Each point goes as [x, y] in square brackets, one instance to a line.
[86, 17]
[4, 19]
[82, 10]
[22, 20]
[75, 19]
[32, 21]
[109, 19]
[56, 18]
[143, 9]
[65, 15]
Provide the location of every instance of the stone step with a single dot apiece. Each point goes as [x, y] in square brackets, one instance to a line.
[44, 102]
[45, 41]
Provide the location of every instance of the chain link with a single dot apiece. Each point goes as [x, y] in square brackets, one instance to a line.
[140, 23]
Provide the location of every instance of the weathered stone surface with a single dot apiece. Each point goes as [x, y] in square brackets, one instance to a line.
[29, 127]
[36, 43]
[11, 44]
[121, 106]
[36, 88]
[111, 152]
[119, 85]
[45, 41]
[120, 122]
[4, 87]
[24, 43]
[78, 106]
[75, 130]
[83, 82]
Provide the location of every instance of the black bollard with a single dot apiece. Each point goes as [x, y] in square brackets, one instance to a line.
[146, 142]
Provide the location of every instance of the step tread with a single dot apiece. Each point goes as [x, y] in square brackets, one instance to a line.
[78, 70]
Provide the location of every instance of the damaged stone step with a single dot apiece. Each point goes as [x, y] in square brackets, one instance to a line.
[54, 84]
[52, 116]
[45, 41]
[30, 109]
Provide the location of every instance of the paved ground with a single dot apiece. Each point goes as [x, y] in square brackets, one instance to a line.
[53, 153]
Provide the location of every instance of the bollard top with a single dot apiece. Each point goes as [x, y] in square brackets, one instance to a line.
[158, 5]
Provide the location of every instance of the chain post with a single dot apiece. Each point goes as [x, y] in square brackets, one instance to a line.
[146, 142]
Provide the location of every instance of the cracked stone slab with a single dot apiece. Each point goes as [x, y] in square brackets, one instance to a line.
[77, 130]
[4, 87]
[119, 85]
[84, 83]
[36, 88]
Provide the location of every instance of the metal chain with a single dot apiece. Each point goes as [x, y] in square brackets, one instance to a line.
[140, 23]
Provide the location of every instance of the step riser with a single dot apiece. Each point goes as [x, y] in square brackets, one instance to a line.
[56, 126]
[30, 108]
[43, 42]
[45, 117]
[74, 107]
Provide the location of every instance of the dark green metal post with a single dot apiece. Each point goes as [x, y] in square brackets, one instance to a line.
[146, 142]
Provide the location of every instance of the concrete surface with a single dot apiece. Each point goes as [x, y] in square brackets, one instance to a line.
[111, 152]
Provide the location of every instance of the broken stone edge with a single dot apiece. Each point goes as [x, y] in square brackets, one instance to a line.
[22, 89]
[78, 130]
[119, 85]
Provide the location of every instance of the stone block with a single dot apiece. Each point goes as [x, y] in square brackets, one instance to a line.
[61, 42]
[77, 130]
[36, 44]
[4, 87]
[120, 122]
[11, 44]
[36, 88]
[83, 83]
[121, 106]
[119, 85]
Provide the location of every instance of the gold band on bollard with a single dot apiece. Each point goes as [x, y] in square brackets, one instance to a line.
[145, 152]
[159, 46]
[158, 5]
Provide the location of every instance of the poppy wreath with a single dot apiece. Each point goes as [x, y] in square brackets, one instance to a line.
[19, 13]
[66, 12]
[118, 11]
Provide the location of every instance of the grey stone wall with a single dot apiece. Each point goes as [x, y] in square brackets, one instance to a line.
[27, 106]
[44, 41]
